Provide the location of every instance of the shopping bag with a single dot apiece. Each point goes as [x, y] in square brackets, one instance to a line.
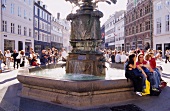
[147, 89]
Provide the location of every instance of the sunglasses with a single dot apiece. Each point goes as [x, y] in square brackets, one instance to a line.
[141, 57]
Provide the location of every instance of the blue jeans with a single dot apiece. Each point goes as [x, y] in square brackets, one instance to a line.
[157, 70]
[157, 77]
[153, 78]
[0, 64]
[139, 73]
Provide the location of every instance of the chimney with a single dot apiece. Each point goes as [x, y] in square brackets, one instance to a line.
[58, 16]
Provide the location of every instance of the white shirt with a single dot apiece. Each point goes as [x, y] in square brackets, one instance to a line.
[8, 55]
[118, 58]
[107, 57]
[123, 58]
[64, 54]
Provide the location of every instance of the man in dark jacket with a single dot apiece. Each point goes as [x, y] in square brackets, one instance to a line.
[43, 58]
[14, 55]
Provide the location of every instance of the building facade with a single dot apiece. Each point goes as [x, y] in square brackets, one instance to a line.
[161, 18]
[119, 31]
[114, 31]
[66, 34]
[16, 25]
[139, 24]
[109, 33]
[42, 27]
[56, 33]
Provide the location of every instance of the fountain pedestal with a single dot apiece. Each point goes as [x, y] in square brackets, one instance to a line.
[85, 39]
[86, 64]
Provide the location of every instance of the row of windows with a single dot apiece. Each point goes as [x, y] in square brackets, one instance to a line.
[42, 14]
[119, 38]
[13, 26]
[29, 2]
[159, 24]
[56, 38]
[110, 31]
[55, 28]
[17, 9]
[110, 40]
[159, 4]
[138, 14]
[42, 37]
[138, 28]
[113, 22]
[42, 25]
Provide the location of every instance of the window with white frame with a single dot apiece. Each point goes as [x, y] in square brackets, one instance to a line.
[25, 14]
[43, 37]
[30, 33]
[19, 11]
[4, 26]
[42, 25]
[36, 10]
[49, 18]
[159, 6]
[29, 2]
[12, 28]
[36, 23]
[46, 27]
[25, 31]
[19, 29]
[12, 8]
[158, 28]
[4, 2]
[40, 12]
[49, 28]
[167, 23]
[45, 15]
[42, 15]
[30, 16]
[36, 36]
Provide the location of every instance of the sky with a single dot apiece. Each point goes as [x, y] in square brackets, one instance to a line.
[64, 8]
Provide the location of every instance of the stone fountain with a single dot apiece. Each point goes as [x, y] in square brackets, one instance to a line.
[86, 59]
[86, 40]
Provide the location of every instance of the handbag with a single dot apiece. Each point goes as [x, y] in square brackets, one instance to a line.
[147, 89]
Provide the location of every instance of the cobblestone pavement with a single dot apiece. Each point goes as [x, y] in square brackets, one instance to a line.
[10, 101]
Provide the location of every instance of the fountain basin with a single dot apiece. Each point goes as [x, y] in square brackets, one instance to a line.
[74, 94]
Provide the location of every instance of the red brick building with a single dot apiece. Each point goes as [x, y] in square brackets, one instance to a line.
[139, 25]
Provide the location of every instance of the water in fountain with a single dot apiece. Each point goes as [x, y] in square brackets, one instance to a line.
[111, 74]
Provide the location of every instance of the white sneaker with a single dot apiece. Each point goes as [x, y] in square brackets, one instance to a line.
[139, 93]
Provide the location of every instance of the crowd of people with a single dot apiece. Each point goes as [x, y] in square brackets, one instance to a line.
[115, 56]
[18, 59]
[140, 66]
